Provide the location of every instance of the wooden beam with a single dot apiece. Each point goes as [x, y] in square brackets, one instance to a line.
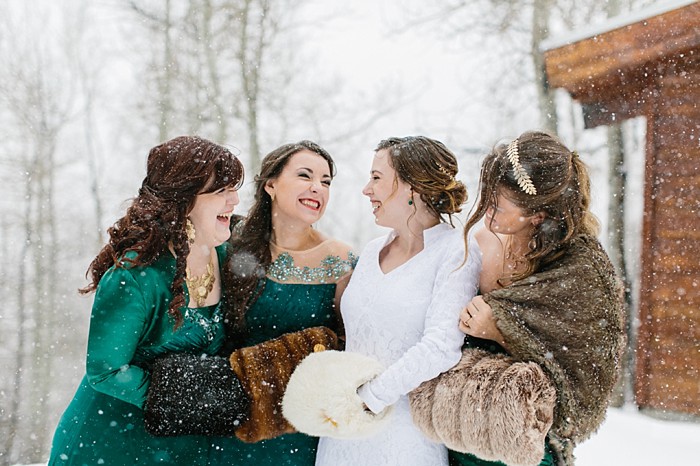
[604, 61]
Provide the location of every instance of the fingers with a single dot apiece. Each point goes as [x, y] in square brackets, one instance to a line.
[465, 316]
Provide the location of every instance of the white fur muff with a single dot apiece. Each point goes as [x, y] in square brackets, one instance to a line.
[321, 397]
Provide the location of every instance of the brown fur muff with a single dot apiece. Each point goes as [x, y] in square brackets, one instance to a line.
[488, 405]
[264, 370]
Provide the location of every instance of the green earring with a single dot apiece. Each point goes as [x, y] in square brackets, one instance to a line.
[410, 202]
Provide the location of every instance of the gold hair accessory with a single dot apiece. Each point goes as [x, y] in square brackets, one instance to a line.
[190, 231]
[521, 176]
[200, 286]
[444, 170]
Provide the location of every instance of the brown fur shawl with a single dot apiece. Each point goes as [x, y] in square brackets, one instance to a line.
[568, 318]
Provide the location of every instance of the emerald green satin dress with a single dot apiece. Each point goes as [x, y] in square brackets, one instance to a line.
[129, 327]
[281, 308]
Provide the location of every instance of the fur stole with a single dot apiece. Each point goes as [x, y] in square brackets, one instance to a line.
[489, 406]
[568, 318]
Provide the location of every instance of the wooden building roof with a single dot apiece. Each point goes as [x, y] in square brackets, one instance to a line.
[609, 71]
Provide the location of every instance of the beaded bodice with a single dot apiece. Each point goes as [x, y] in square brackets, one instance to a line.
[329, 271]
[317, 265]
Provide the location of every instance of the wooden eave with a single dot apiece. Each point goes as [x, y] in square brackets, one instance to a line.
[597, 69]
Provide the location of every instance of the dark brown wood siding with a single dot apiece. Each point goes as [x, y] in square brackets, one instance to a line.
[668, 351]
[652, 68]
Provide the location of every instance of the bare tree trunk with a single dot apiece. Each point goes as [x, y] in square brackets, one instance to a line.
[165, 104]
[52, 304]
[616, 250]
[251, 64]
[92, 155]
[545, 96]
[13, 414]
[42, 297]
[210, 53]
[616, 239]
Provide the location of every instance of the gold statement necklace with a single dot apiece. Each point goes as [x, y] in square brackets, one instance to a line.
[200, 286]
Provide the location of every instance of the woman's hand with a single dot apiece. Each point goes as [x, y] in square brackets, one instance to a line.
[477, 320]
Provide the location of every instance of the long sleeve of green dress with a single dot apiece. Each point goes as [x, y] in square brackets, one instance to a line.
[119, 318]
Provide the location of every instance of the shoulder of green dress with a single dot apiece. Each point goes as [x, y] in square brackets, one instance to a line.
[223, 251]
[165, 264]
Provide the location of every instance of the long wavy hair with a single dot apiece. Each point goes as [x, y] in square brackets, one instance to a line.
[429, 167]
[177, 171]
[563, 194]
[251, 240]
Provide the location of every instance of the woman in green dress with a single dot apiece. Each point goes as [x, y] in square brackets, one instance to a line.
[288, 276]
[157, 286]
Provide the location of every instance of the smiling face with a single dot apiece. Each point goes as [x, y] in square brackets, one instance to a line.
[389, 195]
[302, 189]
[508, 219]
[211, 216]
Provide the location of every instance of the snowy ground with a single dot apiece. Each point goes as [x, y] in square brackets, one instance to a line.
[630, 438]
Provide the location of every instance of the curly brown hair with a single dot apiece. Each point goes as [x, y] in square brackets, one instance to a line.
[176, 172]
[251, 240]
[562, 193]
[429, 167]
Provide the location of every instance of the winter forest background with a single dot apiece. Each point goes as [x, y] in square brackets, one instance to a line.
[88, 87]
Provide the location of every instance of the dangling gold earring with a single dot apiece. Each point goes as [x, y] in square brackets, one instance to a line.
[190, 231]
[272, 196]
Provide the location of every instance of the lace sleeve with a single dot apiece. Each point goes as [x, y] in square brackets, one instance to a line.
[440, 345]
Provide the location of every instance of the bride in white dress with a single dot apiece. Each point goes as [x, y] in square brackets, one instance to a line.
[403, 302]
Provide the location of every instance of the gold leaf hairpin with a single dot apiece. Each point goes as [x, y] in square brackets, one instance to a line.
[521, 176]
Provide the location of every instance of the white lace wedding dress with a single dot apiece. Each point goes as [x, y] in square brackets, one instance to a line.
[408, 320]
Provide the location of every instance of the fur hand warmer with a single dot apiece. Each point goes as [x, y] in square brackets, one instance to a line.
[193, 395]
[322, 400]
[264, 371]
[240, 395]
[490, 406]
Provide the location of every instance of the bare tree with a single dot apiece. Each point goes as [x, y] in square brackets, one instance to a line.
[37, 105]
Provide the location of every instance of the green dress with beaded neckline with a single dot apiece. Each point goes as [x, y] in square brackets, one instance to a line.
[283, 308]
[129, 328]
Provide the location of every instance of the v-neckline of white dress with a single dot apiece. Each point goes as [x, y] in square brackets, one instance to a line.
[428, 236]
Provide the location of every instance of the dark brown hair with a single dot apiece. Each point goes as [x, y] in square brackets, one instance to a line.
[251, 241]
[177, 171]
[563, 194]
[429, 167]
